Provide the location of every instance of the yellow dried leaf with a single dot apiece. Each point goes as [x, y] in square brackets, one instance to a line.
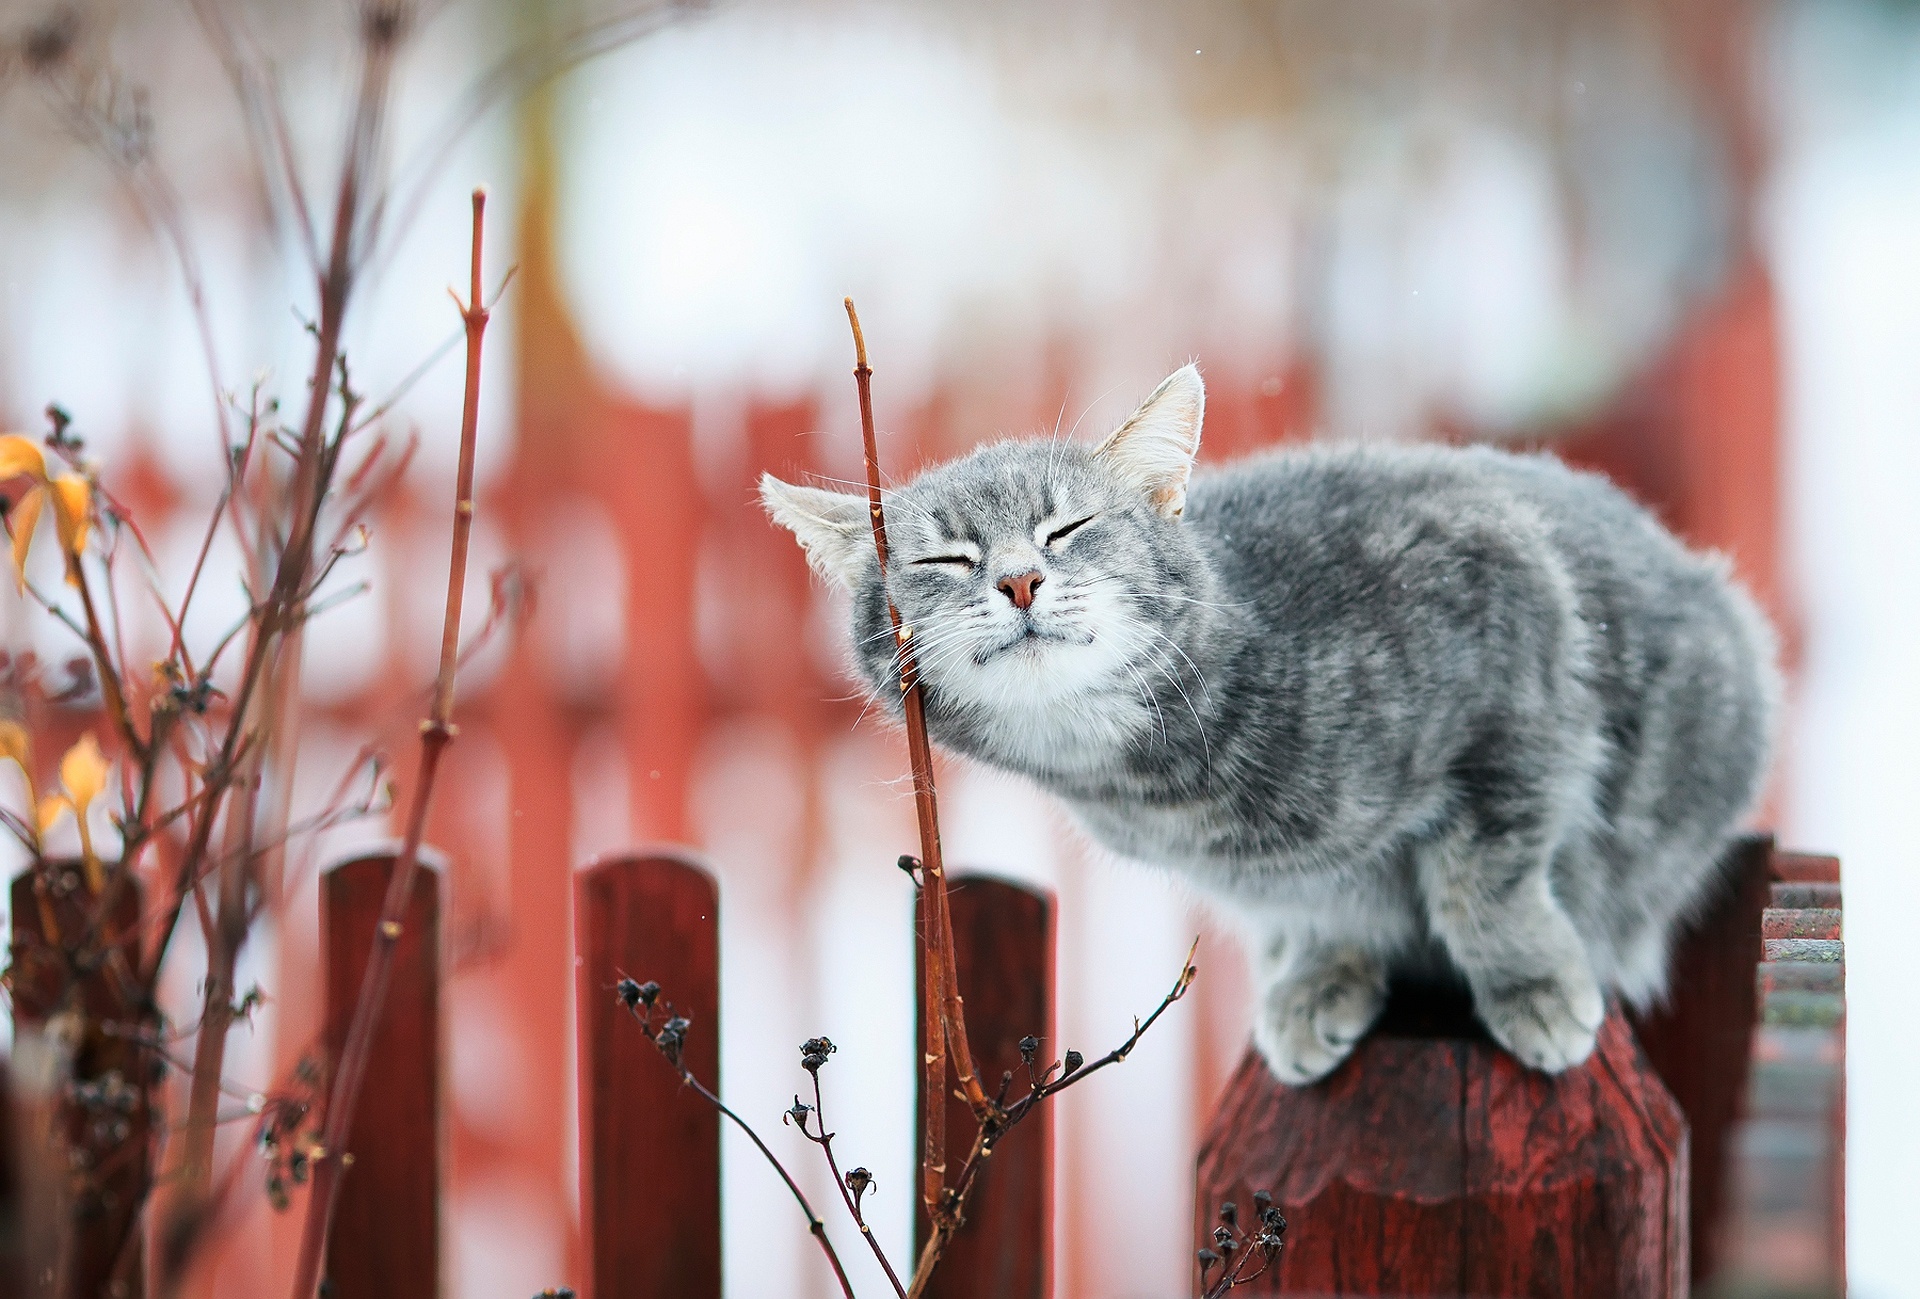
[84, 772]
[15, 744]
[51, 806]
[23, 518]
[71, 496]
[19, 455]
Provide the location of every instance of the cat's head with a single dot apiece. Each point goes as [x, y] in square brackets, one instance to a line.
[1031, 573]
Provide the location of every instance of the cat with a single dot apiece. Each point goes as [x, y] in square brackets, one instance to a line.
[1408, 710]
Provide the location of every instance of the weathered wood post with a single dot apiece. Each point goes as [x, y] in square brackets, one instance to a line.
[1709, 1150]
[1433, 1163]
[84, 1019]
[1003, 939]
[386, 1228]
[649, 1148]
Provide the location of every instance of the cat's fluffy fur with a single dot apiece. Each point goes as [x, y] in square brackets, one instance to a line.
[1398, 709]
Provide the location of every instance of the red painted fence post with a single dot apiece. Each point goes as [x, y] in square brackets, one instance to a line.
[386, 1230]
[1650, 1167]
[1003, 937]
[1433, 1163]
[649, 1148]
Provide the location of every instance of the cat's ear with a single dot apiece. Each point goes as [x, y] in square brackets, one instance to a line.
[832, 526]
[1153, 451]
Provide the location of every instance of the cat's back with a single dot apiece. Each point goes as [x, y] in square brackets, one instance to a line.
[1331, 514]
[1471, 565]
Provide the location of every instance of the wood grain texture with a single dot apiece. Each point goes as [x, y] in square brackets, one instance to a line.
[386, 1230]
[1003, 936]
[104, 1122]
[1699, 1042]
[650, 1149]
[1437, 1165]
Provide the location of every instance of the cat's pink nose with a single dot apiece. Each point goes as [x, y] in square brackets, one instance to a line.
[1020, 588]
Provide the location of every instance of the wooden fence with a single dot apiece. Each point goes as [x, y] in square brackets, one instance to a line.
[1701, 1148]
[649, 1148]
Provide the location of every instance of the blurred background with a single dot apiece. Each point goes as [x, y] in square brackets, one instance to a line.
[1676, 241]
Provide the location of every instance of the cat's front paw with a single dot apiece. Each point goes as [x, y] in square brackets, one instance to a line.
[1308, 1024]
[1548, 1023]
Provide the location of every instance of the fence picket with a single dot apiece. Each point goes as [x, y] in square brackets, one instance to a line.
[650, 1149]
[1004, 946]
[386, 1230]
[91, 1230]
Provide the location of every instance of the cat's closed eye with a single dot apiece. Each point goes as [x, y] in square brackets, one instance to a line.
[1066, 530]
[958, 561]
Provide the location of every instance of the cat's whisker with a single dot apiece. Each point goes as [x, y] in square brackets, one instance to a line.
[890, 497]
[1206, 745]
[1198, 676]
[1088, 410]
[929, 627]
[1146, 693]
[1169, 595]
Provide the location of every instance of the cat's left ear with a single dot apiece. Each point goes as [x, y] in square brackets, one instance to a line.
[1153, 451]
[832, 527]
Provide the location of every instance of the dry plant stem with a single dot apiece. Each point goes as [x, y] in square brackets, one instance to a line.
[944, 1010]
[933, 1124]
[814, 1222]
[436, 733]
[103, 663]
[1006, 1118]
[693, 1084]
[226, 935]
[825, 1142]
[281, 610]
[224, 939]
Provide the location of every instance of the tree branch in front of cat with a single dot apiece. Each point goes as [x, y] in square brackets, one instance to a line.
[436, 733]
[669, 1036]
[945, 1010]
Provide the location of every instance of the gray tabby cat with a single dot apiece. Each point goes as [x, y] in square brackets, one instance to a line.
[1400, 710]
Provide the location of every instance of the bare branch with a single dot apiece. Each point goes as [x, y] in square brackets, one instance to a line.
[435, 735]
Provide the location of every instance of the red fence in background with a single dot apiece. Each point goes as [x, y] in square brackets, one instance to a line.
[649, 1166]
[650, 1148]
[390, 1198]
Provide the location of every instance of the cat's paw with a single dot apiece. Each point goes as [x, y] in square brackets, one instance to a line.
[1548, 1023]
[1307, 1025]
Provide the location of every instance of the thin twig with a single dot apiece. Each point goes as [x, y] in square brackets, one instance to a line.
[669, 1037]
[847, 1195]
[943, 1012]
[436, 733]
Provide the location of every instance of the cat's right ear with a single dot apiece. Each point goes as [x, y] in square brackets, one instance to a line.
[832, 527]
[1153, 451]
